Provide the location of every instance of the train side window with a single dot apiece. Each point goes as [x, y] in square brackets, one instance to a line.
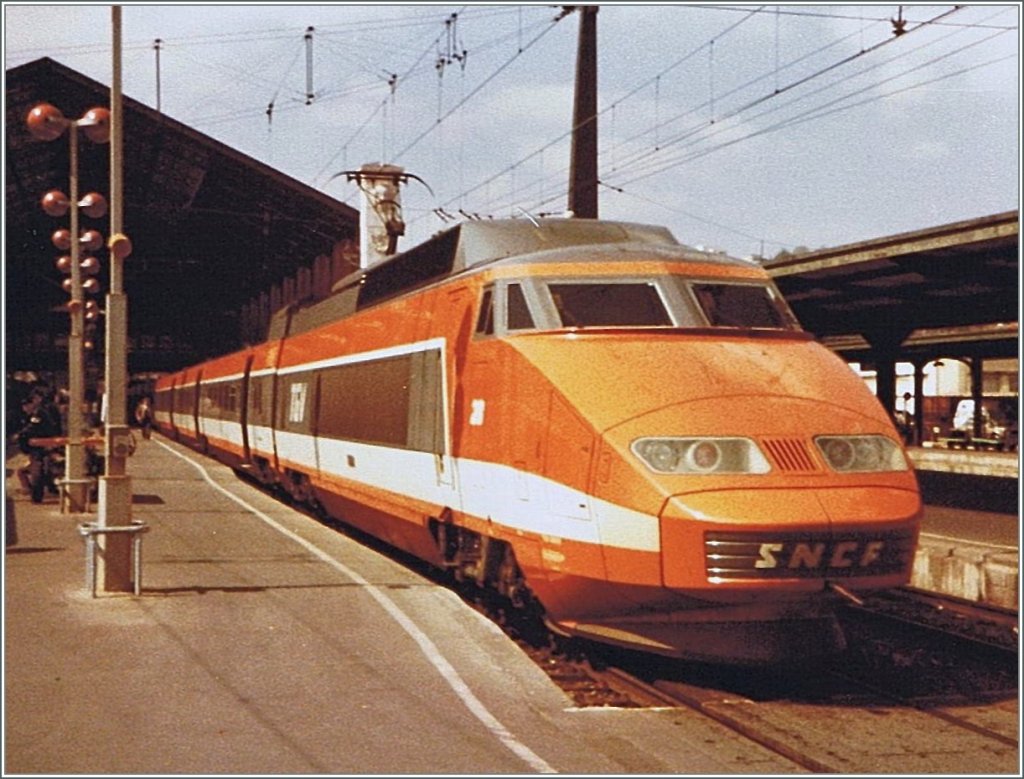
[485, 322]
[297, 402]
[519, 316]
[256, 397]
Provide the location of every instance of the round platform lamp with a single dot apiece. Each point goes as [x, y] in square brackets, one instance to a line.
[46, 123]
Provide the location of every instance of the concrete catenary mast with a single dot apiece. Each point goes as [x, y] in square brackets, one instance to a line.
[583, 168]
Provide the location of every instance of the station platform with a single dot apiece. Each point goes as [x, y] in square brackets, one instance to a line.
[1003, 465]
[972, 554]
[263, 642]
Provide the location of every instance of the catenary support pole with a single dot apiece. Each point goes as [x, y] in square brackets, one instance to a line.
[583, 175]
[114, 569]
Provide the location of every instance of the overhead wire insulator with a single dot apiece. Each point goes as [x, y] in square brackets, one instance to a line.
[309, 65]
[899, 24]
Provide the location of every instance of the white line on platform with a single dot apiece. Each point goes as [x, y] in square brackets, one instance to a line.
[429, 648]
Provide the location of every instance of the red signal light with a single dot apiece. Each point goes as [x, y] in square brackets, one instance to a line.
[96, 125]
[91, 240]
[62, 239]
[55, 203]
[93, 205]
[46, 122]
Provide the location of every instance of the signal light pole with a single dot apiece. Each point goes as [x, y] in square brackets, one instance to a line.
[113, 569]
[46, 123]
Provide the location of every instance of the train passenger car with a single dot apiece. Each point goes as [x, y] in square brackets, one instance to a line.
[587, 415]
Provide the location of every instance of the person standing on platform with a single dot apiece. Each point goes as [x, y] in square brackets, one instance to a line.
[144, 416]
[42, 420]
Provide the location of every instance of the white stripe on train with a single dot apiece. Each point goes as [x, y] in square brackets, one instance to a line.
[513, 498]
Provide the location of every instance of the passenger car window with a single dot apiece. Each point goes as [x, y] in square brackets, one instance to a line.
[609, 304]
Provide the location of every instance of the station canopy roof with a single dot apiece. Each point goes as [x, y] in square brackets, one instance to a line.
[211, 228]
[954, 287]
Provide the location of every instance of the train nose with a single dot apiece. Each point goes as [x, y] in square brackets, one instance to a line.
[802, 536]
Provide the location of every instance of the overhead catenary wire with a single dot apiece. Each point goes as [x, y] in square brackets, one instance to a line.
[538, 174]
[412, 144]
[689, 215]
[655, 167]
[539, 151]
[778, 10]
[818, 112]
[663, 144]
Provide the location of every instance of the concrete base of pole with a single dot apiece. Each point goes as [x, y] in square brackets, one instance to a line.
[114, 561]
[77, 485]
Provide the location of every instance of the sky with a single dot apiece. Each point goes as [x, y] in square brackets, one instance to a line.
[749, 129]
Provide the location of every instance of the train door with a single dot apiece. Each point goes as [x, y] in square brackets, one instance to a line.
[429, 415]
[313, 410]
[198, 406]
[259, 417]
[274, 387]
[456, 313]
[184, 419]
[243, 409]
[172, 394]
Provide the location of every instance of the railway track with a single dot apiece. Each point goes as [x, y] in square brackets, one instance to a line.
[913, 693]
[834, 729]
[927, 685]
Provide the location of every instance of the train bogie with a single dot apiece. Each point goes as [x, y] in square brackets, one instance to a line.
[632, 434]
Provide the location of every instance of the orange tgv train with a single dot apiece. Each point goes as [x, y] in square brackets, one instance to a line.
[633, 434]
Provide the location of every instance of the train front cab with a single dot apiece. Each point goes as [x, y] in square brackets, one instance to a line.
[712, 559]
[765, 519]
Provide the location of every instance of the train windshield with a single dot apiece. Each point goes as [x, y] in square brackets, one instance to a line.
[742, 305]
[609, 304]
[668, 301]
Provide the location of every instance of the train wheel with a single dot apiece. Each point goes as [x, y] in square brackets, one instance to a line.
[509, 579]
[488, 562]
[299, 488]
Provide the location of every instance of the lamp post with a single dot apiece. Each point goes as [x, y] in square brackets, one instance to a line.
[47, 123]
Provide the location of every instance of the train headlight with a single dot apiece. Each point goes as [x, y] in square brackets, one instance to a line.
[861, 453]
[660, 455]
[701, 455]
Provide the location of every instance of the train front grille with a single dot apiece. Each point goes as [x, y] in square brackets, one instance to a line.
[766, 555]
[790, 454]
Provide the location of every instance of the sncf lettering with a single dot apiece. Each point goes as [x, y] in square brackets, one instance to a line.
[806, 556]
[840, 555]
[872, 552]
[767, 552]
